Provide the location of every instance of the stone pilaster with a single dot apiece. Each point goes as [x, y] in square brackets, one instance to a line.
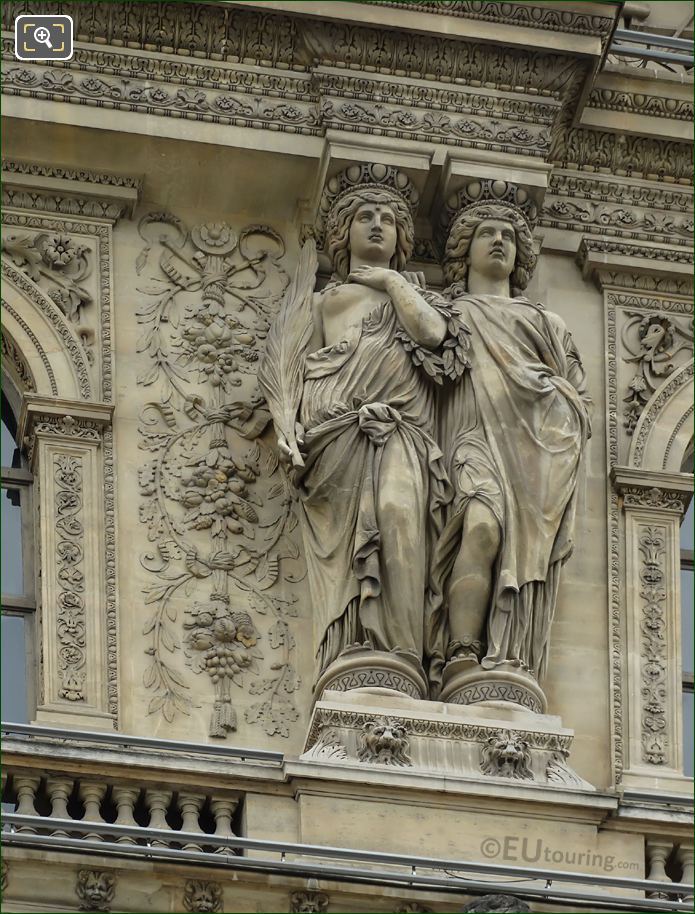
[653, 504]
[65, 443]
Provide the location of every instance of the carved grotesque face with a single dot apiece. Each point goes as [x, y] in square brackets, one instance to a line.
[493, 249]
[373, 233]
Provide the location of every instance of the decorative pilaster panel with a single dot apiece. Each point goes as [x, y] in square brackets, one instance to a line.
[66, 445]
[653, 505]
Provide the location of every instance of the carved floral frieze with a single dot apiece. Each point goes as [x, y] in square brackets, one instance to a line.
[216, 506]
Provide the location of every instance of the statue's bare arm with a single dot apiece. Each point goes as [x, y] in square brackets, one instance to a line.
[417, 317]
[317, 340]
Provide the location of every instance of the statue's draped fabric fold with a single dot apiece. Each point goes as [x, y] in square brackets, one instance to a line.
[370, 458]
[513, 433]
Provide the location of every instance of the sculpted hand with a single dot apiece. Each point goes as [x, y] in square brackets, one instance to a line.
[416, 279]
[374, 277]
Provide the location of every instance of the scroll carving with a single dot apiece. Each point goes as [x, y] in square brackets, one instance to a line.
[652, 574]
[70, 576]
[217, 509]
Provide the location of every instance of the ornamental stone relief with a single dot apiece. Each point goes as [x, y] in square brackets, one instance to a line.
[95, 890]
[218, 511]
[200, 895]
[69, 559]
[59, 264]
[656, 345]
[653, 649]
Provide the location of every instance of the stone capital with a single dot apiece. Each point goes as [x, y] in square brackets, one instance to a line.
[653, 491]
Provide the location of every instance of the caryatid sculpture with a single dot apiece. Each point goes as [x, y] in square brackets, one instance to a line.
[350, 375]
[513, 432]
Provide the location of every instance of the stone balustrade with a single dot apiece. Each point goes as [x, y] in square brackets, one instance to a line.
[87, 799]
[669, 860]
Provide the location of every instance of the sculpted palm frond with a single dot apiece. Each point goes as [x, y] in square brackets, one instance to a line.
[280, 375]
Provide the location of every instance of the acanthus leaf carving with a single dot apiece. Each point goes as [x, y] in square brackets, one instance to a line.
[217, 508]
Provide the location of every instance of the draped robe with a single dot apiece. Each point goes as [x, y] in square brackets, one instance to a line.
[512, 434]
[372, 490]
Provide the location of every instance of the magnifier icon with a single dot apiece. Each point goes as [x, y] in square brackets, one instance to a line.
[43, 36]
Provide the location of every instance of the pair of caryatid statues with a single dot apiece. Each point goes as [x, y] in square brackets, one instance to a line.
[434, 440]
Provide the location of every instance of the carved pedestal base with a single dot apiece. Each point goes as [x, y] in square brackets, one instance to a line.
[504, 742]
[465, 682]
[362, 668]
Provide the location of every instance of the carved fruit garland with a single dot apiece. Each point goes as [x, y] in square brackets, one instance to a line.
[217, 508]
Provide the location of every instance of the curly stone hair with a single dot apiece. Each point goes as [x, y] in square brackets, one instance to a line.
[340, 220]
[461, 234]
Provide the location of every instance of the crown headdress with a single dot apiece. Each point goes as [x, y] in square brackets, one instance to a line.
[487, 192]
[366, 176]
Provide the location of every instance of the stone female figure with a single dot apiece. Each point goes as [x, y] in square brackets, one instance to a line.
[371, 483]
[513, 434]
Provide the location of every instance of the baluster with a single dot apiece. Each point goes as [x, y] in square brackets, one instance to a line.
[223, 810]
[190, 805]
[92, 793]
[26, 787]
[657, 854]
[125, 799]
[59, 790]
[158, 803]
[686, 860]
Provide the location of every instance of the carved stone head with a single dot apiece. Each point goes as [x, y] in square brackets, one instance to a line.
[506, 755]
[384, 742]
[95, 890]
[369, 204]
[200, 895]
[468, 228]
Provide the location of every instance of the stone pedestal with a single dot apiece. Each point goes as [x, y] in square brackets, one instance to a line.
[484, 741]
[465, 682]
[363, 668]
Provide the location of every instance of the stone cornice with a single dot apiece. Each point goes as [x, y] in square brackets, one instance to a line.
[56, 189]
[653, 490]
[600, 255]
[63, 418]
[539, 16]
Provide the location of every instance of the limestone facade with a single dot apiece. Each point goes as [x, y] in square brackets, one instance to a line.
[157, 191]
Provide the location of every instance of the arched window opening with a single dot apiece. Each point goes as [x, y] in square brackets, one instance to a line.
[687, 633]
[17, 575]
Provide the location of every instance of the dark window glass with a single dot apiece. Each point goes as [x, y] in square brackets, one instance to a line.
[11, 566]
[687, 526]
[688, 734]
[687, 596]
[14, 669]
[7, 445]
